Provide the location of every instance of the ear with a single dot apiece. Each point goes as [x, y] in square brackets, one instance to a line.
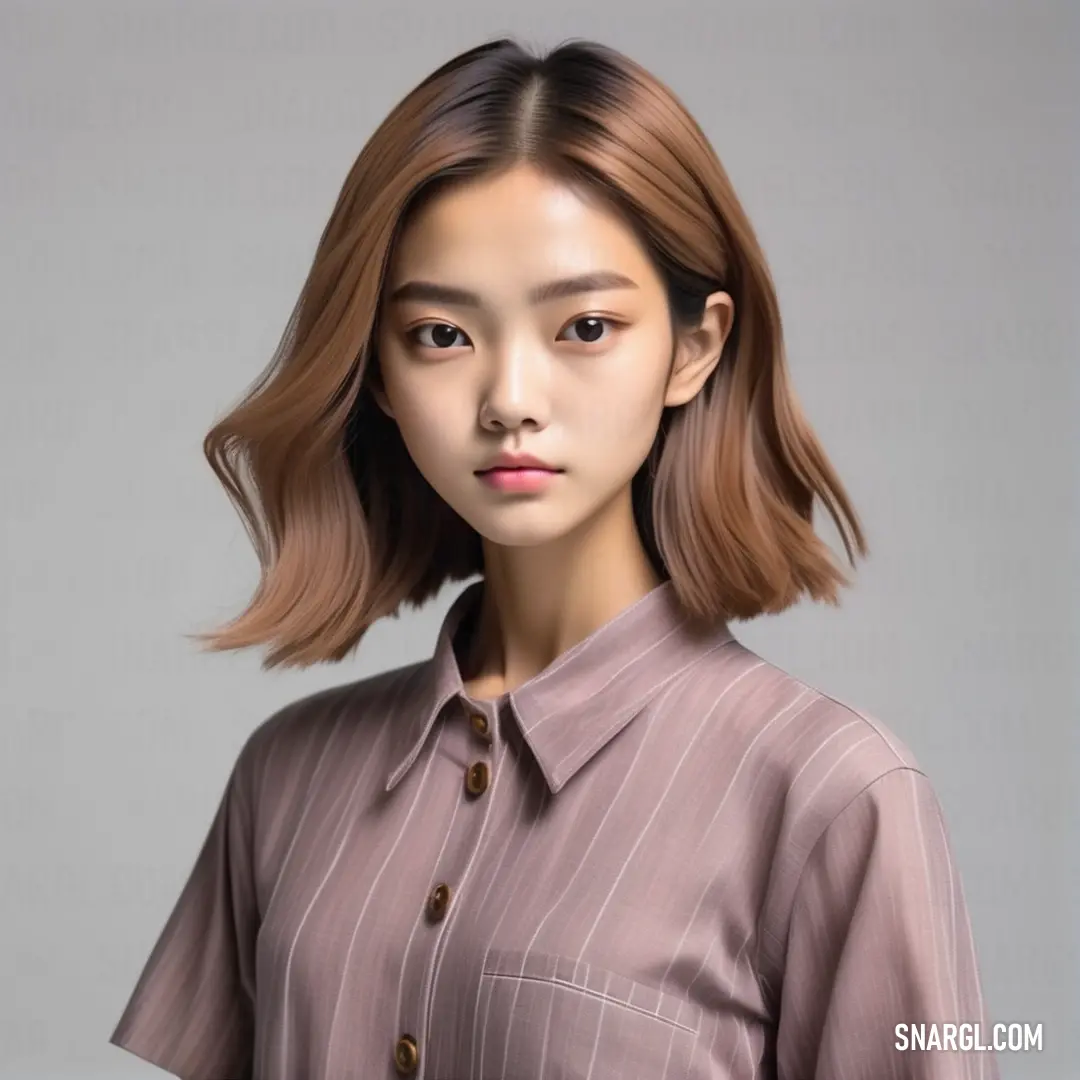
[698, 351]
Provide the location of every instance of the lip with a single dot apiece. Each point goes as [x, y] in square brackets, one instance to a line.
[517, 461]
[521, 481]
[520, 473]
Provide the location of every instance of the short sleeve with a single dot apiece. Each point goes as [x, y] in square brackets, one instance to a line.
[880, 937]
[192, 1010]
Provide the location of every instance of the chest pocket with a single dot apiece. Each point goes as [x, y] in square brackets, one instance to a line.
[545, 1017]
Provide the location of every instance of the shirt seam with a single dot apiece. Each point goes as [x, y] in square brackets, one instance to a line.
[820, 839]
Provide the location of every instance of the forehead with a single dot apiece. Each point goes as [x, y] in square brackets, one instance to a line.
[514, 229]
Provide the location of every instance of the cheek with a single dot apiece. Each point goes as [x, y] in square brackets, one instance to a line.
[424, 433]
[629, 412]
[621, 403]
[428, 410]
[400, 385]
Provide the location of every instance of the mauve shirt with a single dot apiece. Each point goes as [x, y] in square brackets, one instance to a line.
[660, 858]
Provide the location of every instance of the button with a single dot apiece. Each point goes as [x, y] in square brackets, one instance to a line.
[406, 1055]
[477, 776]
[438, 900]
[479, 723]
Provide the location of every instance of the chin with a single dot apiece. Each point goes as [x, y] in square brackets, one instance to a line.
[524, 536]
[521, 526]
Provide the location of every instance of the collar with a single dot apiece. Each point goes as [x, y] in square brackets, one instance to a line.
[584, 698]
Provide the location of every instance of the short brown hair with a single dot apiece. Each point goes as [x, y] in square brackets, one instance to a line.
[346, 528]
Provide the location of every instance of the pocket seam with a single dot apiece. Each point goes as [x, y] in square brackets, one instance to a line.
[589, 992]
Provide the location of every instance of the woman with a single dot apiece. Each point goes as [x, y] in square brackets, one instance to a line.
[594, 835]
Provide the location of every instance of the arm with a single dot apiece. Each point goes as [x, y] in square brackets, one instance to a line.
[192, 1010]
[880, 936]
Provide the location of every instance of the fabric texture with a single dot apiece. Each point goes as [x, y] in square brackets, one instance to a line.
[662, 857]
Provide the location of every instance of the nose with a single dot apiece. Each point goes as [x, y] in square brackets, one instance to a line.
[515, 394]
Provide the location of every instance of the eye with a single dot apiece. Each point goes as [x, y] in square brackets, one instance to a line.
[589, 329]
[438, 335]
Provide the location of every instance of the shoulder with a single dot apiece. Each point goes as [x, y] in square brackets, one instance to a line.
[819, 766]
[329, 721]
[812, 751]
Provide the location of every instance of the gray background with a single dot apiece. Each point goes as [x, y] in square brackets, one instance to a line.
[167, 168]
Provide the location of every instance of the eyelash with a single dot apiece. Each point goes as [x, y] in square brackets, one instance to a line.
[614, 324]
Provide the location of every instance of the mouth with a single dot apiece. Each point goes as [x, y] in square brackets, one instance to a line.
[519, 478]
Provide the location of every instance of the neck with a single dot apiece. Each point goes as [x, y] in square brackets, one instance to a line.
[540, 601]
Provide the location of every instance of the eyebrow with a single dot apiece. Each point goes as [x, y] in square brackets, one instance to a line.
[598, 281]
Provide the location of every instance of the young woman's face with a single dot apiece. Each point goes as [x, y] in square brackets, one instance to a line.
[521, 320]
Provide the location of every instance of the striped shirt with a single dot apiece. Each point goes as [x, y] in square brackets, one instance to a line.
[660, 858]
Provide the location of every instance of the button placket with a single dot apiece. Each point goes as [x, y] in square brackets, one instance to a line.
[477, 781]
[478, 773]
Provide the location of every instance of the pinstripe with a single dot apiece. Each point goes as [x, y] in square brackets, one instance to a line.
[596, 1041]
[701, 898]
[318, 775]
[563, 894]
[320, 765]
[987, 1068]
[613, 677]
[416, 800]
[678, 843]
[951, 954]
[712, 822]
[418, 920]
[626, 781]
[616, 624]
[353, 796]
[745, 1034]
[661, 684]
[656, 809]
[437, 954]
[531, 766]
[928, 883]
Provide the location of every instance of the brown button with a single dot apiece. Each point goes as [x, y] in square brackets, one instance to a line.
[437, 902]
[406, 1055]
[477, 776]
[479, 723]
